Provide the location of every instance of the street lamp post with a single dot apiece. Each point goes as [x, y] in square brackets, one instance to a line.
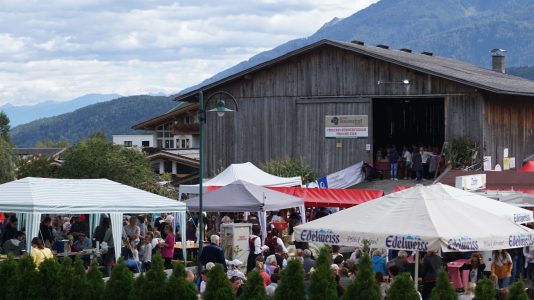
[220, 109]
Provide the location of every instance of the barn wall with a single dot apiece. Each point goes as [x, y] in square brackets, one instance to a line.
[509, 123]
[282, 108]
[464, 117]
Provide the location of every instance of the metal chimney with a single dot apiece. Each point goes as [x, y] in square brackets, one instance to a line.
[498, 60]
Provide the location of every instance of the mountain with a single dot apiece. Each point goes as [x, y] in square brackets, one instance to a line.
[111, 117]
[525, 72]
[27, 113]
[462, 29]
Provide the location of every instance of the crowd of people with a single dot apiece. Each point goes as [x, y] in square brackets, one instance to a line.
[143, 236]
[410, 162]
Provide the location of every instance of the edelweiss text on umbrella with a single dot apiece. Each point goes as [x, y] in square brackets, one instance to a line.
[406, 242]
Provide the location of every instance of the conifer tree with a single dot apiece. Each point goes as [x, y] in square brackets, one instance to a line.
[178, 288]
[323, 282]
[79, 280]
[27, 277]
[50, 282]
[155, 279]
[218, 286]
[8, 272]
[120, 283]
[253, 288]
[138, 291]
[443, 289]
[403, 288]
[517, 291]
[364, 286]
[95, 284]
[67, 279]
[484, 290]
[291, 285]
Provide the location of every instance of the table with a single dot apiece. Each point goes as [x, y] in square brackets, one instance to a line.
[191, 250]
[458, 279]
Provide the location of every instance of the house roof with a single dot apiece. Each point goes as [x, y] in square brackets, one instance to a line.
[447, 68]
[48, 152]
[188, 161]
[168, 116]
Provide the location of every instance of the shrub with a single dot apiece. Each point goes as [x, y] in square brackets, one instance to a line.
[50, 282]
[461, 153]
[178, 288]
[364, 286]
[120, 283]
[66, 276]
[289, 168]
[8, 272]
[291, 285]
[95, 284]
[27, 277]
[517, 291]
[253, 288]
[80, 287]
[155, 277]
[218, 286]
[138, 290]
[484, 290]
[403, 288]
[443, 289]
[323, 283]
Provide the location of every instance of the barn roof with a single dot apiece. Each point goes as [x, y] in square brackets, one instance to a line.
[447, 68]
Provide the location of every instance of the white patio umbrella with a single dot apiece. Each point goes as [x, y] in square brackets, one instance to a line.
[423, 218]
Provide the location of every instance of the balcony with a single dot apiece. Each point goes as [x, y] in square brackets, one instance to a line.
[178, 129]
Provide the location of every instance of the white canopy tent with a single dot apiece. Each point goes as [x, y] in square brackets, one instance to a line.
[36, 196]
[423, 218]
[245, 171]
[242, 196]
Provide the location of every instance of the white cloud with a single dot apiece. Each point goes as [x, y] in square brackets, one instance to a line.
[61, 49]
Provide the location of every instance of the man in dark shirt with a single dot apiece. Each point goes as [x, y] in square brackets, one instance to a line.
[45, 232]
[10, 230]
[213, 253]
[78, 227]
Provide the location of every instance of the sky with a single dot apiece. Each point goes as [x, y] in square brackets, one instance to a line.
[63, 49]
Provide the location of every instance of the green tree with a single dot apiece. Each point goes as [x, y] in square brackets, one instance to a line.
[291, 285]
[66, 279]
[4, 127]
[50, 282]
[403, 288]
[139, 290]
[98, 158]
[517, 291]
[178, 288]
[7, 163]
[484, 290]
[364, 286]
[95, 284]
[35, 166]
[120, 283]
[155, 277]
[8, 272]
[323, 283]
[443, 289]
[218, 286]
[253, 288]
[289, 168]
[27, 277]
[80, 287]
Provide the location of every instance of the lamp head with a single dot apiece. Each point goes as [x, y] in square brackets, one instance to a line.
[221, 108]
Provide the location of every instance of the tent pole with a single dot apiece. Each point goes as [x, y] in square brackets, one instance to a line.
[416, 273]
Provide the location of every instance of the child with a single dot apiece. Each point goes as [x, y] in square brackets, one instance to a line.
[146, 252]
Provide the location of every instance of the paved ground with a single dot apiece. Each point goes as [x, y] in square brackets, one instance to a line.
[387, 185]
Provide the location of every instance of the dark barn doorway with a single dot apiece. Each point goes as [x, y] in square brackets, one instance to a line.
[408, 121]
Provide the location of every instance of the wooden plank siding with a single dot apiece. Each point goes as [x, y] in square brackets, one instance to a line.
[509, 123]
[282, 109]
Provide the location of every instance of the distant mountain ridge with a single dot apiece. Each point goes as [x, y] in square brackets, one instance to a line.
[27, 113]
[110, 117]
[461, 29]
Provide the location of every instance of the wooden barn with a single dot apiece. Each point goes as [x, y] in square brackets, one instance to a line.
[336, 103]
